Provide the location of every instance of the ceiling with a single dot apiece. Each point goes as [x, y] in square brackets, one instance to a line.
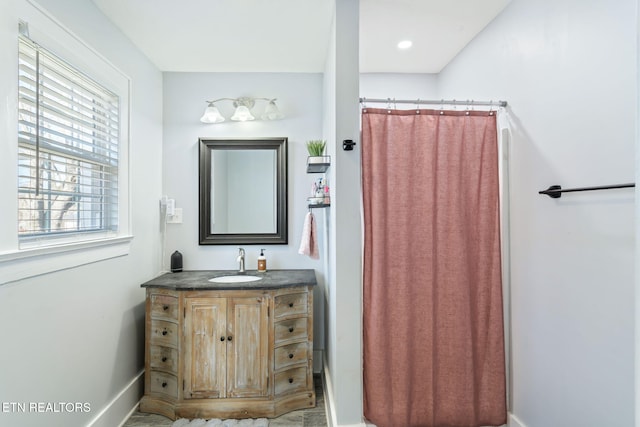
[292, 35]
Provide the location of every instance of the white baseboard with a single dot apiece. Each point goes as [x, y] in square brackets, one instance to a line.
[513, 421]
[329, 402]
[329, 405]
[120, 408]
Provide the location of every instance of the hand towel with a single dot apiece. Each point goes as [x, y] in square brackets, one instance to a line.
[309, 242]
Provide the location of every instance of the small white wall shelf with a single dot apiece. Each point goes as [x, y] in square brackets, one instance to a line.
[318, 164]
[319, 205]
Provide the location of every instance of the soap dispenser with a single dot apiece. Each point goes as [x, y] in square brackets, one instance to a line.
[262, 262]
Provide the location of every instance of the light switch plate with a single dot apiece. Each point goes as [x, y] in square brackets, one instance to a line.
[176, 218]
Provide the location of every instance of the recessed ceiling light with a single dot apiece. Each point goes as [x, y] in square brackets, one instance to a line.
[405, 44]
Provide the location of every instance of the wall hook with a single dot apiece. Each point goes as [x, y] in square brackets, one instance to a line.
[347, 145]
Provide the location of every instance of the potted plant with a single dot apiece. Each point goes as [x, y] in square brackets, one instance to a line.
[317, 162]
[315, 147]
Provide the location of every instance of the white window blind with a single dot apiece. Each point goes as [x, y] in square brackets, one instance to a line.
[67, 149]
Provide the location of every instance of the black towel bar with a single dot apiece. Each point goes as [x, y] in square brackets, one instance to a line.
[555, 191]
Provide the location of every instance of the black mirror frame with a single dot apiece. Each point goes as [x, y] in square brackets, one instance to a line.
[206, 237]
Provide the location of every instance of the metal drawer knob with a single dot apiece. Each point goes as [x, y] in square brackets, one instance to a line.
[290, 304]
[164, 332]
[291, 329]
[165, 308]
[290, 380]
[290, 355]
[164, 385]
[164, 359]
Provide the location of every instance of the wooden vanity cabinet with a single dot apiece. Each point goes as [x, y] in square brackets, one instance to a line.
[162, 344]
[226, 342]
[228, 353]
[293, 329]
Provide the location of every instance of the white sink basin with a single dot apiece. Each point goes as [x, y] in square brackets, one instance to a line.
[235, 279]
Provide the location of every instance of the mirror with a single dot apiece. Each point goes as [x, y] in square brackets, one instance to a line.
[243, 191]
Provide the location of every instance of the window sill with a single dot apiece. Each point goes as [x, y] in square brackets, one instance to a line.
[23, 264]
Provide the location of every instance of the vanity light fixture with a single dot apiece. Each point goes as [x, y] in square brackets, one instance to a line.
[243, 108]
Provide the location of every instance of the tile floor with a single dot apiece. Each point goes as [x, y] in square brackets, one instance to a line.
[314, 417]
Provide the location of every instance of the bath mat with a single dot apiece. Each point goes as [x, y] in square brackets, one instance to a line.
[215, 422]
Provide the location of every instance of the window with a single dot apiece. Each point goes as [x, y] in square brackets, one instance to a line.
[68, 145]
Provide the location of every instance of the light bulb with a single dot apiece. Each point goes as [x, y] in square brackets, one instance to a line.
[242, 114]
[271, 112]
[211, 115]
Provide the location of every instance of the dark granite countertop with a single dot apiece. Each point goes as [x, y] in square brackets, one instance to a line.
[198, 280]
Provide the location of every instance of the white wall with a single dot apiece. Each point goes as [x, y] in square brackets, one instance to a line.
[77, 335]
[399, 86]
[343, 290]
[568, 70]
[300, 100]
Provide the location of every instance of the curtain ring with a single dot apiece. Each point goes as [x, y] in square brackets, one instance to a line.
[418, 106]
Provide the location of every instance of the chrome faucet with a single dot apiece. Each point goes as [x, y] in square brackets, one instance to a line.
[240, 259]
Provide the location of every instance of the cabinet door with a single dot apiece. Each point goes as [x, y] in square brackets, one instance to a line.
[206, 346]
[247, 355]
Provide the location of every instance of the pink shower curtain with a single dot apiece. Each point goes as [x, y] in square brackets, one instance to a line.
[433, 326]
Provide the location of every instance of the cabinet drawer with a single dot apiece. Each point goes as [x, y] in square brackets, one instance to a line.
[294, 329]
[291, 380]
[164, 383]
[291, 354]
[164, 306]
[164, 358]
[164, 333]
[291, 304]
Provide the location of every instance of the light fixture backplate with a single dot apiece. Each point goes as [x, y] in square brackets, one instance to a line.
[246, 101]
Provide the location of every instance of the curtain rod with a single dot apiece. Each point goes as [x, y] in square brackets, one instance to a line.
[469, 103]
[555, 191]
